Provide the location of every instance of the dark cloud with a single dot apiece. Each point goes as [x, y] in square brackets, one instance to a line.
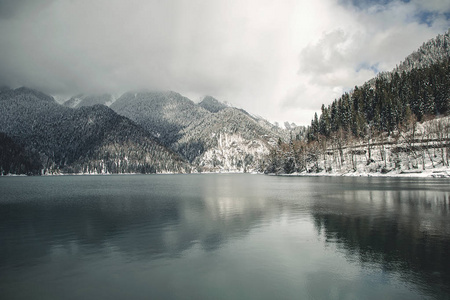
[194, 47]
[243, 52]
[12, 8]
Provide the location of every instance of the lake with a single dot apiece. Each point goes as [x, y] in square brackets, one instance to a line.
[224, 236]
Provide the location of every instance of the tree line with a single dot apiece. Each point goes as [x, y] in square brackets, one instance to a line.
[377, 122]
[386, 103]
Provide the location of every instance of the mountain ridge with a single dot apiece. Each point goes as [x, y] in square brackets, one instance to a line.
[89, 100]
[85, 140]
[163, 131]
[194, 130]
[432, 51]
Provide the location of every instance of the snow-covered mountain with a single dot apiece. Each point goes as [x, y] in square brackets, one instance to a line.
[163, 114]
[89, 100]
[210, 134]
[141, 132]
[403, 114]
[91, 139]
[229, 140]
[212, 104]
[154, 131]
[431, 52]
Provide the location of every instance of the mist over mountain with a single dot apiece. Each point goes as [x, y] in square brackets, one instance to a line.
[212, 104]
[210, 135]
[163, 114]
[142, 132]
[164, 131]
[89, 100]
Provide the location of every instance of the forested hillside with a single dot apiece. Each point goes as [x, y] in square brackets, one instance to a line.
[390, 103]
[396, 122]
[229, 140]
[14, 159]
[431, 52]
[390, 113]
[210, 135]
[163, 114]
[206, 137]
[87, 140]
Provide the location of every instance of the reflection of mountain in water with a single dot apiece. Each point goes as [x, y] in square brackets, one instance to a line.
[146, 222]
[402, 231]
[396, 229]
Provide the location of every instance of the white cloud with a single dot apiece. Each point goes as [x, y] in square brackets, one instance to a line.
[354, 45]
[278, 59]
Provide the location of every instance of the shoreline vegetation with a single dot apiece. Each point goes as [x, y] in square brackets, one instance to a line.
[396, 124]
[419, 149]
[436, 173]
[428, 173]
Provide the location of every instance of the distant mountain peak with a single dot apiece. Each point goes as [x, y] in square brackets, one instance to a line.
[90, 100]
[91, 139]
[211, 104]
[433, 51]
[35, 93]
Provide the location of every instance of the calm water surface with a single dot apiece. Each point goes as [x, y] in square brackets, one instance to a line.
[223, 237]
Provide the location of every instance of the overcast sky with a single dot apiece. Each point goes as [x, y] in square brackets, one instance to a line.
[278, 59]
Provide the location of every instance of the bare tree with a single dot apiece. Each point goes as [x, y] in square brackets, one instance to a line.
[440, 131]
[408, 133]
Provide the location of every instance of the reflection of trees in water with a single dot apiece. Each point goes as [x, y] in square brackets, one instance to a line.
[406, 232]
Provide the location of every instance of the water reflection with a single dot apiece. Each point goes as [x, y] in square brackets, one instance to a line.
[403, 231]
[270, 232]
[151, 220]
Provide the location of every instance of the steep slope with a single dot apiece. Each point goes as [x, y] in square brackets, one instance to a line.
[211, 135]
[391, 99]
[163, 114]
[89, 139]
[89, 100]
[229, 140]
[431, 52]
[390, 113]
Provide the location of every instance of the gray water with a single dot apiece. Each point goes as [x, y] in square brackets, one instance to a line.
[223, 237]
